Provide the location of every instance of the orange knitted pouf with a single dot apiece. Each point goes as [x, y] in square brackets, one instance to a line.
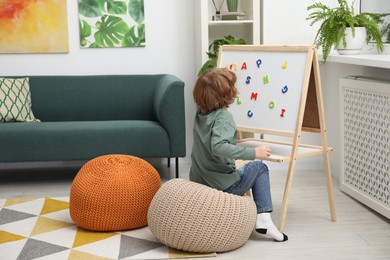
[113, 192]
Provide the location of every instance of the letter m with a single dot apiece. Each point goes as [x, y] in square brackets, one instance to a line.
[254, 95]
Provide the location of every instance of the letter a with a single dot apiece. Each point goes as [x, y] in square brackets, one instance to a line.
[243, 67]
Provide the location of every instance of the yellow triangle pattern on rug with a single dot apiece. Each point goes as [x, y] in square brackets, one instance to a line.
[37, 228]
[52, 205]
[74, 254]
[44, 225]
[9, 237]
[10, 202]
[84, 237]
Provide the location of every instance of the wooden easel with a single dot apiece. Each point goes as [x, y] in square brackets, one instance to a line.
[311, 118]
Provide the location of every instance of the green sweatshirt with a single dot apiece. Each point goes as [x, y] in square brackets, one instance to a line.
[214, 150]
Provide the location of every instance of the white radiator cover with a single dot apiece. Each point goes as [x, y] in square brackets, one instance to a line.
[365, 138]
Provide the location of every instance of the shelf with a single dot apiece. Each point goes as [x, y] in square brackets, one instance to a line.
[369, 60]
[244, 23]
[229, 22]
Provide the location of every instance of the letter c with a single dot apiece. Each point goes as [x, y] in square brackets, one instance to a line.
[250, 113]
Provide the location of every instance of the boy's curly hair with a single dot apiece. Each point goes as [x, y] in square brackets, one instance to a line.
[215, 89]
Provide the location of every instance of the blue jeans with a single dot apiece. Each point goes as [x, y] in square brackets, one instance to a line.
[255, 176]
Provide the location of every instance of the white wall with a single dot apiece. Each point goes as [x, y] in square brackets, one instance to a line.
[169, 49]
[288, 25]
[285, 21]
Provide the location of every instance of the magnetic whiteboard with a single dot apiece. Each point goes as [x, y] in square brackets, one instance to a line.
[270, 81]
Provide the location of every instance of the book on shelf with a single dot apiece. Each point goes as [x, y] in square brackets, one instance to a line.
[240, 15]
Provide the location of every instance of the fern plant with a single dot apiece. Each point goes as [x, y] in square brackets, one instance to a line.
[334, 21]
[386, 32]
[214, 49]
[384, 26]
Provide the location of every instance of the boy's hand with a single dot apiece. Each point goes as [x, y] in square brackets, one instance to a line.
[263, 152]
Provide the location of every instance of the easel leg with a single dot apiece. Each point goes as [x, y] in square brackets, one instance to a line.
[286, 195]
[321, 113]
[329, 185]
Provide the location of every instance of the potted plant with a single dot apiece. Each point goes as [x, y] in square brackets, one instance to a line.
[340, 21]
[213, 51]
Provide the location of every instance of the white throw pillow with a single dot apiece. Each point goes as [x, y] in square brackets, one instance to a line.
[15, 101]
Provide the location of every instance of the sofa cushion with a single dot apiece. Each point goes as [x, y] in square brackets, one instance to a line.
[15, 100]
[92, 98]
[83, 140]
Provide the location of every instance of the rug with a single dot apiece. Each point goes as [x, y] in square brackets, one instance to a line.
[42, 228]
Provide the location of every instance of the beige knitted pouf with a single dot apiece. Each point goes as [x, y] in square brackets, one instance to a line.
[192, 217]
[113, 192]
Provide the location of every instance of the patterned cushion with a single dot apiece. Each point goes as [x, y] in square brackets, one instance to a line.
[15, 101]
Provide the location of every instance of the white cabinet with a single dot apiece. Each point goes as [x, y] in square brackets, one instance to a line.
[365, 141]
[207, 29]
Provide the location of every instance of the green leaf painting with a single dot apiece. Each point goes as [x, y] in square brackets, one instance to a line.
[111, 23]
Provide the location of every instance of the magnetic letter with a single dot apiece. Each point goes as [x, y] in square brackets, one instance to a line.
[284, 89]
[283, 111]
[271, 104]
[284, 65]
[238, 101]
[265, 79]
[254, 95]
[248, 80]
[250, 113]
[243, 67]
[258, 63]
[233, 67]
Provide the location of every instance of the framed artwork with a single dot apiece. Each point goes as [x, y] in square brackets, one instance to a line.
[111, 23]
[30, 26]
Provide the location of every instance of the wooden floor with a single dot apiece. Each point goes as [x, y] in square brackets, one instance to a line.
[358, 233]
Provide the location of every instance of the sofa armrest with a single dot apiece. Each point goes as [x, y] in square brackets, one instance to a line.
[170, 111]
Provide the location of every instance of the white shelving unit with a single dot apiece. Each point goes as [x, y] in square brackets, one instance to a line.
[207, 29]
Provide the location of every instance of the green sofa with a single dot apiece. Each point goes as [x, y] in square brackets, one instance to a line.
[86, 116]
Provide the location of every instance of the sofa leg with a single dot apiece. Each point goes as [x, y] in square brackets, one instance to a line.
[177, 166]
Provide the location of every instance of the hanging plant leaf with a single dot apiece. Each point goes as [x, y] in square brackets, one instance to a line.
[111, 30]
[136, 10]
[135, 37]
[89, 8]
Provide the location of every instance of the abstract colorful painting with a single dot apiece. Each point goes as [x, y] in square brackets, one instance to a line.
[111, 23]
[33, 26]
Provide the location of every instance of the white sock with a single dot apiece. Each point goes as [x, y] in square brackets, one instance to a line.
[264, 225]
